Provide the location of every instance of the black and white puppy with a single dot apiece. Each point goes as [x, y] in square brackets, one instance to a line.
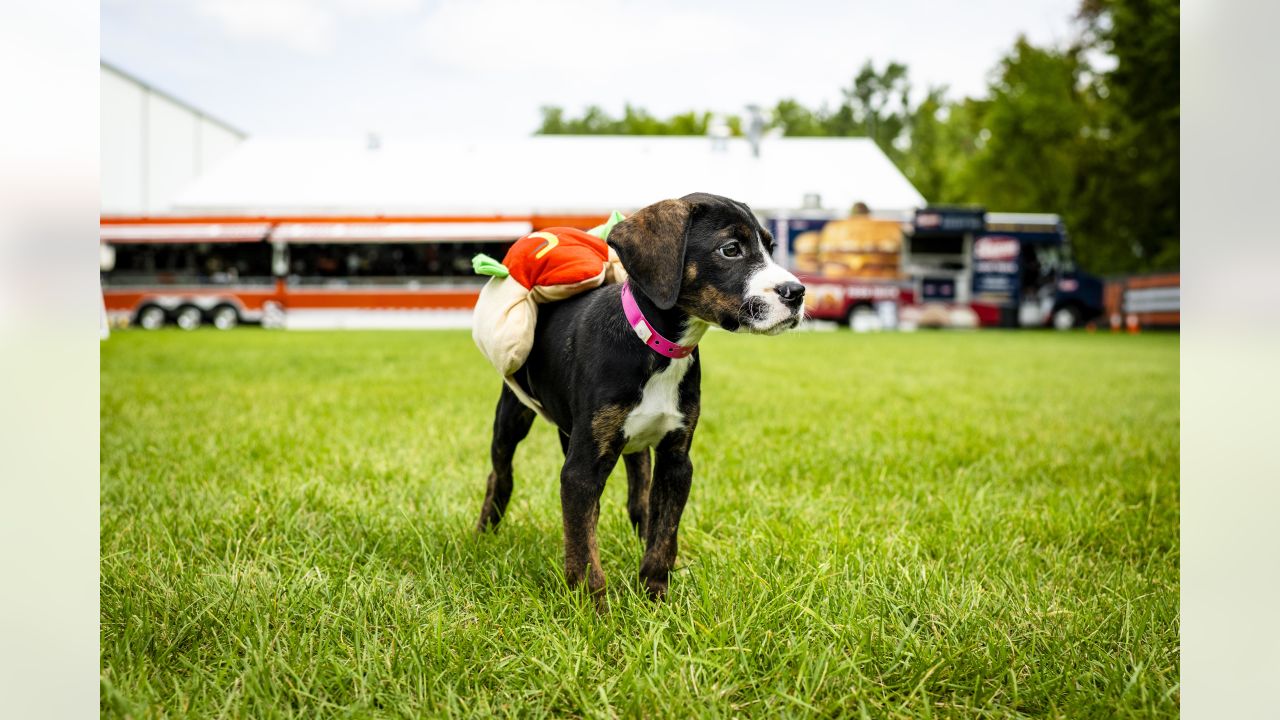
[698, 261]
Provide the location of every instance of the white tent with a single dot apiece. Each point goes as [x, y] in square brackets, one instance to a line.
[542, 175]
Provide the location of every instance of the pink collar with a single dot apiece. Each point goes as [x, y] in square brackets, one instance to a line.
[644, 330]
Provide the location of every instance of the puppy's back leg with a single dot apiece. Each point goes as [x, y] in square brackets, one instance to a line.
[511, 423]
[638, 474]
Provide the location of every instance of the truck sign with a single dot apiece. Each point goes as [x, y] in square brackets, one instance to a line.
[996, 269]
[949, 221]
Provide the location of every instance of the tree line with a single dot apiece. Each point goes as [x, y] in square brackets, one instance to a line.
[1089, 131]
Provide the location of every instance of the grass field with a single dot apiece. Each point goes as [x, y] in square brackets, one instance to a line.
[897, 525]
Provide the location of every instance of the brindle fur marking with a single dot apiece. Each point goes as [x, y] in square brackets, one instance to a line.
[606, 428]
[651, 245]
[710, 301]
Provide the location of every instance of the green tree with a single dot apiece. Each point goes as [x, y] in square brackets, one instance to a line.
[634, 121]
[1030, 134]
[1133, 189]
[1039, 142]
[552, 120]
[880, 104]
[797, 120]
[690, 123]
[932, 150]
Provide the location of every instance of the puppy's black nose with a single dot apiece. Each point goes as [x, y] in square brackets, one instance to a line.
[792, 293]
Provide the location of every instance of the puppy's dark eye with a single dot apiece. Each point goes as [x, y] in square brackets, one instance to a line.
[730, 249]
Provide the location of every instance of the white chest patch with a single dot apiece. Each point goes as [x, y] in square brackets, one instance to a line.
[659, 410]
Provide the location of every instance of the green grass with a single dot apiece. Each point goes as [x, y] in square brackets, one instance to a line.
[909, 525]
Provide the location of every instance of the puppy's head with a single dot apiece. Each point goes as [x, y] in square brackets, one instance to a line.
[709, 256]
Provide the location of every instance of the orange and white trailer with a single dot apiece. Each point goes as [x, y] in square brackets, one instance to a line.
[1144, 301]
[303, 271]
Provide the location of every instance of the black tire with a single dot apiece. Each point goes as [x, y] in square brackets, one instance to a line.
[857, 309]
[224, 317]
[1066, 317]
[150, 317]
[188, 317]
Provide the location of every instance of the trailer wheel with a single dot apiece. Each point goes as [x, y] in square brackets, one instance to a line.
[150, 317]
[862, 318]
[188, 317]
[1066, 317]
[224, 317]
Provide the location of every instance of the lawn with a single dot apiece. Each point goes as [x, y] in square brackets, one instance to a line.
[896, 525]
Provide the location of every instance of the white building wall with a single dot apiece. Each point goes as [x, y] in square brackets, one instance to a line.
[153, 146]
[172, 147]
[123, 152]
[216, 142]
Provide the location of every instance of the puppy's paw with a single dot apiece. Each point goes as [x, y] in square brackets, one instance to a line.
[657, 589]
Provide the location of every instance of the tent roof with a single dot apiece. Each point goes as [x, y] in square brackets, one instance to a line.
[542, 174]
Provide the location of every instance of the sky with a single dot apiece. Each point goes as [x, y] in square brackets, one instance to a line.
[481, 68]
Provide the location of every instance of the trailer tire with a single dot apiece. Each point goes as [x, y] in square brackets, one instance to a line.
[861, 310]
[188, 317]
[150, 317]
[1066, 317]
[224, 317]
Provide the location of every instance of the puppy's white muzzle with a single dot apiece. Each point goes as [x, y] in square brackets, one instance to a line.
[774, 300]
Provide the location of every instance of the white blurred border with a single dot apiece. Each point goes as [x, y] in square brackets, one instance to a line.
[49, 364]
[1230, 359]
[49, 317]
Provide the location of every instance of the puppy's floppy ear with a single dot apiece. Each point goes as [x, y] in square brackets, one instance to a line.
[651, 246]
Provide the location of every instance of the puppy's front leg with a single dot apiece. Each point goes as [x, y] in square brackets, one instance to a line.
[672, 476]
[586, 467]
[638, 473]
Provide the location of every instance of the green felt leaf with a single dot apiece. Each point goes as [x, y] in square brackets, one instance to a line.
[485, 265]
[602, 231]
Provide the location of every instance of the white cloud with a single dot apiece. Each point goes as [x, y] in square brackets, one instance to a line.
[298, 24]
[576, 36]
[309, 26]
[378, 8]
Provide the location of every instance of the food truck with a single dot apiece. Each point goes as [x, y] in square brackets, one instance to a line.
[850, 266]
[1011, 269]
[941, 266]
